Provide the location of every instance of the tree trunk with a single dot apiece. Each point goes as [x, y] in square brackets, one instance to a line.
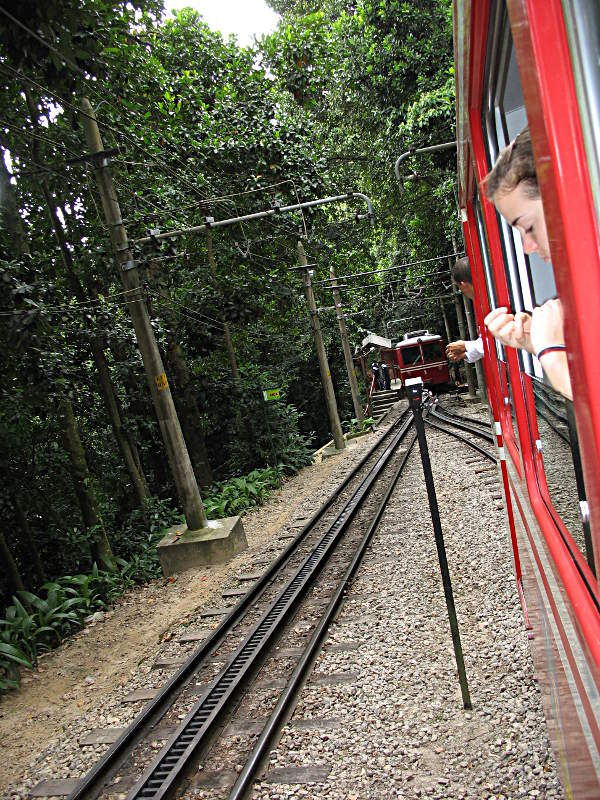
[189, 414]
[15, 582]
[126, 446]
[27, 537]
[10, 214]
[228, 340]
[90, 511]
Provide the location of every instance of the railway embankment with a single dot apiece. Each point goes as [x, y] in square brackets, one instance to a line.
[72, 691]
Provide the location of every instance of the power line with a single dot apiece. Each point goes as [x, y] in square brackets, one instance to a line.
[42, 41]
[389, 269]
[105, 125]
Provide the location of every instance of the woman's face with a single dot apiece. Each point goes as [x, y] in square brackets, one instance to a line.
[526, 214]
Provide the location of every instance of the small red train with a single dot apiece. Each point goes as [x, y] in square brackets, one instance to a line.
[420, 354]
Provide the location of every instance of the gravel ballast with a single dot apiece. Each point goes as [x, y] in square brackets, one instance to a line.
[395, 727]
[402, 729]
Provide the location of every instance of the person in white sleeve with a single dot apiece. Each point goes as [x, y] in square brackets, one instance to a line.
[470, 351]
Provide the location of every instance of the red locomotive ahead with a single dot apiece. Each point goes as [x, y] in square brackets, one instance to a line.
[518, 63]
[419, 354]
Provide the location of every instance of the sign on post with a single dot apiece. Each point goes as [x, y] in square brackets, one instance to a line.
[271, 394]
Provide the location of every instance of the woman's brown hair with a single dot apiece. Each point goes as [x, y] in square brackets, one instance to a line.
[514, 165]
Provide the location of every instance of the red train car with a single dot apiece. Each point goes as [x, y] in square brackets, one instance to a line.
[420, 354]
[517, 63]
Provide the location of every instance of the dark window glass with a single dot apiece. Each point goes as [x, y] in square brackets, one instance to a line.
[411, 355]
[432, 351]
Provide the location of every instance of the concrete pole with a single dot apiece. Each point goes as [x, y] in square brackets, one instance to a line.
[334, 419]
[179, 460]
[473, 336]
[350, 368]
[449, 337]
[446, 323]
[463, 333]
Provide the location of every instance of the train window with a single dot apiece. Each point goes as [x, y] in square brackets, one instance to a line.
[582, 20]
[559, 448]
[491, 293]
[411, 355]
[432, 351]
[530, 283]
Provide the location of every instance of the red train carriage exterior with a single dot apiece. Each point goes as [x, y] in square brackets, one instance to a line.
[419, 354]
[521, 62]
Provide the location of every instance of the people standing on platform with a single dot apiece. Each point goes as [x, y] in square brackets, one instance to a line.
[470, 351]
[385, 374]
[377, 375]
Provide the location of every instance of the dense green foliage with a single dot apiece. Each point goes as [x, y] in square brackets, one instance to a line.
[196, 127]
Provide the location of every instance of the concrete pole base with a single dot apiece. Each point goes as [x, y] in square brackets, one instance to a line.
[182, 549]
[330, 450]
[471, 399]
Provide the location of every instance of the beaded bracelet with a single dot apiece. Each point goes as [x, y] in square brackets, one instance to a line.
[551, 349]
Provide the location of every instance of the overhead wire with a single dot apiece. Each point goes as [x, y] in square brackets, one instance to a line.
[101, 123]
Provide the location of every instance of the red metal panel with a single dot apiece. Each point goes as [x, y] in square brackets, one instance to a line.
[545, 66]
[583, 605]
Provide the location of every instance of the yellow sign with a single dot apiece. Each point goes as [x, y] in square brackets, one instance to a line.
[161, 381]
[271, 394]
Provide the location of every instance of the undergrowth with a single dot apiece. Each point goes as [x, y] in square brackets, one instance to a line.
[35, 624]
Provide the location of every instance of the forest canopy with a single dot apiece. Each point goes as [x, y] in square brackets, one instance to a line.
[196, 127]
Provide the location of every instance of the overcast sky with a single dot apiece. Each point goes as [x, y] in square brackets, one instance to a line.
[245, 18]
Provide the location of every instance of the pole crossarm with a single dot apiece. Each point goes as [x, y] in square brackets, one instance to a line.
[418, 151]
[271, 212]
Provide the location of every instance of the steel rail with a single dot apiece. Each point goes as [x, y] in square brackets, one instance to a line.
[545, 399]
[161, 776]
[279, 713]
[465, 426]
[473, 445]
[564, 436]
[92, 783]
[462, 418]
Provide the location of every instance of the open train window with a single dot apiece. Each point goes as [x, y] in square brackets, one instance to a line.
[530, 283]
[510, 422]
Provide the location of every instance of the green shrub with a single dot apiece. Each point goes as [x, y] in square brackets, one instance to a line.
[232, 497]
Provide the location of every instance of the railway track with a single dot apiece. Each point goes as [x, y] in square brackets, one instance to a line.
[440, 418]
[309, 574]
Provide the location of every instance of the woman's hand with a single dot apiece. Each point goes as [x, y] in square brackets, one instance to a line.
[511, 329]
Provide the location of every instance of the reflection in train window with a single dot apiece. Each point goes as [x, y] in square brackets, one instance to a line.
[432, 351]
[559, 448]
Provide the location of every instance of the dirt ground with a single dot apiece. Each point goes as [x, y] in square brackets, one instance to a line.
[89, 665]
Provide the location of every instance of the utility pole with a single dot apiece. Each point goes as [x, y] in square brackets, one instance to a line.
[334, 419]
[179, 460]
[228, 340]
[350, 368]
[449, 337]
[473, 335]
[462, 331]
